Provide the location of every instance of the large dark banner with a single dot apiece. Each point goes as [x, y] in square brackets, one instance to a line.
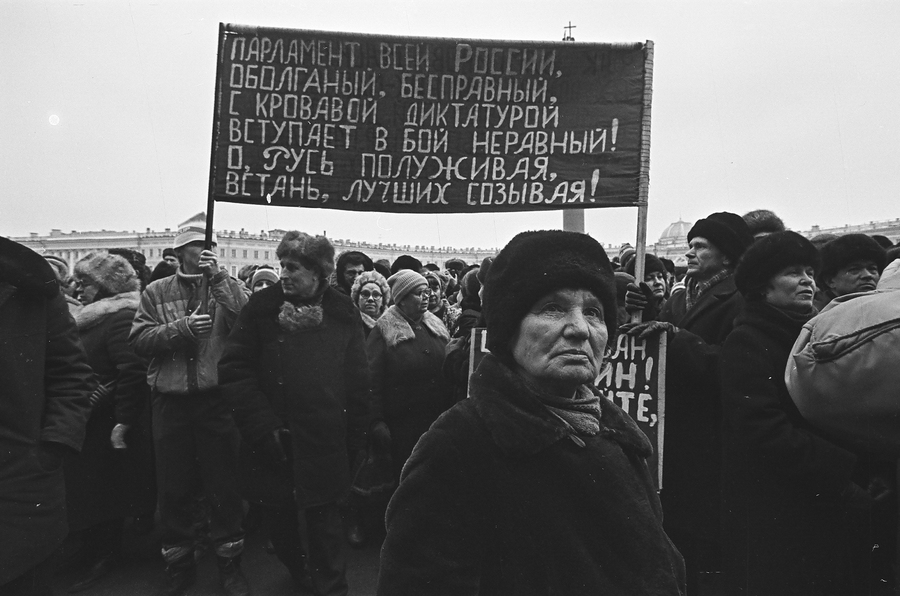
[428, 125]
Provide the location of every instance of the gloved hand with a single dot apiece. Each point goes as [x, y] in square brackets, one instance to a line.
[271, 447]
[637, 297]
[117, 437]
[856, 497]
[380, 436]
[648, 329]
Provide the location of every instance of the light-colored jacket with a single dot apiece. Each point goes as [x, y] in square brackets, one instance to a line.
[180, 362]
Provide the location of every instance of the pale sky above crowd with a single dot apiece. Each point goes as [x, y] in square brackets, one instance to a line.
[106, 110]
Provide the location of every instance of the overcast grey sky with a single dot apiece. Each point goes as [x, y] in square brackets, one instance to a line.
[106, 110]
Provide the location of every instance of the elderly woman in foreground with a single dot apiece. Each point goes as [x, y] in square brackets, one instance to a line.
[536, 484]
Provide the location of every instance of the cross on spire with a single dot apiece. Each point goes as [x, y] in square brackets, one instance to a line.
[567, 36]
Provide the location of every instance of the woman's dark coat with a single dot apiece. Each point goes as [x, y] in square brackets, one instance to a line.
[314, 382]
[409, 389]
[496, 499]
[46, 387]
[103, 483]
[692, 468]
[782, 519]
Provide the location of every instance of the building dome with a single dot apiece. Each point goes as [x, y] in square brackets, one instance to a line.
[676, 231]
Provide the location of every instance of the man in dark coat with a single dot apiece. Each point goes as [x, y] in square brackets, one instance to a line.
[698, 318]
[43, 410]
[295, 372]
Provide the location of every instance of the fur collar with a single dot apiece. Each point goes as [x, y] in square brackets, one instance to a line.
[521, 425]
[396, 329]
[94, 313]
[368, 321]
[267, 303]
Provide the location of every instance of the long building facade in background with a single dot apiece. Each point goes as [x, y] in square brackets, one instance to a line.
[237, 249]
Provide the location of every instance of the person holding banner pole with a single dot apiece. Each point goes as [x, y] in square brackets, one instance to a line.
[537, 483]
[697, 320]
[183, 331]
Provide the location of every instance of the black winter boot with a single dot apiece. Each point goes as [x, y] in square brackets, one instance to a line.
[232, 577]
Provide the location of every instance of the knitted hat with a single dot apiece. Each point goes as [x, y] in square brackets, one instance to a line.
[313, 252]
[441, 279]
[846, 249]
[652, 264]
[534, 264]
[263, 274]
[60, 267]
[193, 233]
[168, 252]
[370, 277]
[403, 282]
[769, 255]
[111, 273]
[406, 262]
[727, 231]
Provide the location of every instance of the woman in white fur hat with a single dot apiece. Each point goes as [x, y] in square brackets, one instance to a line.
[113, 477]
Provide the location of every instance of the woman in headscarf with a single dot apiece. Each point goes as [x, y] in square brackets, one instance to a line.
[788, 496]
[371, 295]
[113, 478]
[536, 484]
[406, 351]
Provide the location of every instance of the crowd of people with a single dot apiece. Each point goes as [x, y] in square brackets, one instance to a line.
[331, 402]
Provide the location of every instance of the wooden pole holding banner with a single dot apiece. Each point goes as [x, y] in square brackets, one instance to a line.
[211, 192]
[644, 175]
[573, 220]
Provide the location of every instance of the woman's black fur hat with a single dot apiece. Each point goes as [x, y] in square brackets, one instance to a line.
[769, 255]
[534, 264]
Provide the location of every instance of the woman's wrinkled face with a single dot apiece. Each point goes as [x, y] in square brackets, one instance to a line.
[560, 342]
[297, 280]
[415, 303]
[370, 299]
[87, 290]
[792, 288]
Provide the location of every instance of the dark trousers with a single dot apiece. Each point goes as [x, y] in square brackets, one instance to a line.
[196, 440]
[310, 543]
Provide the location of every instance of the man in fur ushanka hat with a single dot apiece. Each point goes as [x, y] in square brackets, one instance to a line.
[697, 319]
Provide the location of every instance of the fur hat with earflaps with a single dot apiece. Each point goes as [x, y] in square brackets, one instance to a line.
[111, 273]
